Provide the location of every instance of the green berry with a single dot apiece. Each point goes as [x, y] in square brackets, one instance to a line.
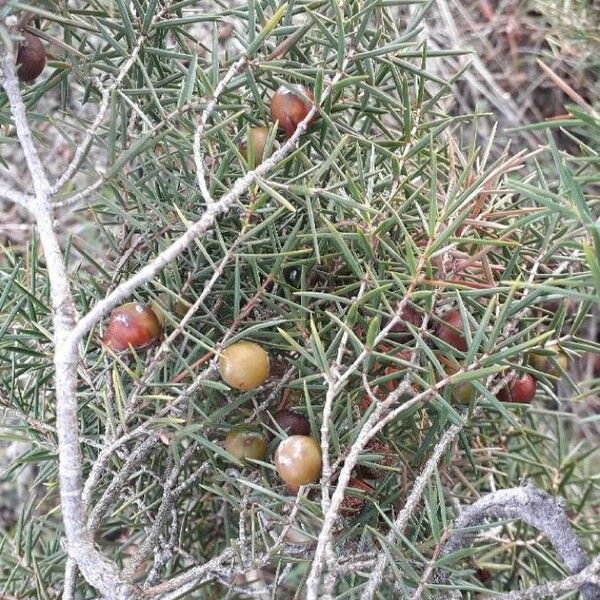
[245, 443]
[551, 364]
[244, 365]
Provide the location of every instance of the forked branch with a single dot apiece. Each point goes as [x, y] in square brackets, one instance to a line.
[536, 508]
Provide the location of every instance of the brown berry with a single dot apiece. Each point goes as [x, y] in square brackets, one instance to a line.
[244, 365]
[551, 364]
[484, 575]
[520, 390]
[245, 443]
[132, 325]
[289, 108]
[292, 422]
[298, 461]
[257, 140]
[450, 330]
[31, 57]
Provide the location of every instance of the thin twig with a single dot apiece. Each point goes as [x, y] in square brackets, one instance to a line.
[234, 70]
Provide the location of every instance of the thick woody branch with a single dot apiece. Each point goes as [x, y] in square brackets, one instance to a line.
[97, 569]
[589, 575]
[34, 164]
[536, 508]
[177, 586]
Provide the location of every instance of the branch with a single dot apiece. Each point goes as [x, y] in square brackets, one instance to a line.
[177, 586]
[200, 227]
[332, 378]
[18, 110]
[553, 590]
[129, 468]
[97, 569]
[536, 508]
[14, 196]
[382, 415]
[234, 70]
[240, 187]
[368, 430]
[162, 514]
[168, 341]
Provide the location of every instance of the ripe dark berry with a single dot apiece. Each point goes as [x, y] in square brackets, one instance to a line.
[257, 140]
[298, 461]
[31, 57]
[244, 365]
[521, 390]
[292, 423]
[132, 325]
[290, 108]
[484, 575]
[245, 443]
[450, 330]
[408, 316]
[551, 364]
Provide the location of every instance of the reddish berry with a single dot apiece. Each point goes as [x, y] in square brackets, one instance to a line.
[289, 108]
[450, 330]
[409, 316]
[132, 325]
[484, 575]
[520, 390]
[31, 57]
